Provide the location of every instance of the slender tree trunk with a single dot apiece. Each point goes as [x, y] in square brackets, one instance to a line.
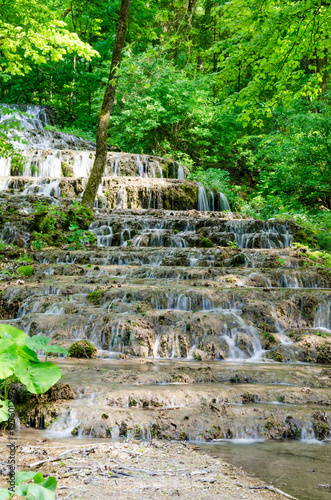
[107, 104]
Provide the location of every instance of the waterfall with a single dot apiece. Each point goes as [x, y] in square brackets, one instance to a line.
[203, 205]
[5, 167]
[181, 173]
[211, 201]
[223, 203]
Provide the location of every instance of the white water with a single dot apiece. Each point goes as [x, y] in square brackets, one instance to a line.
[203, 204]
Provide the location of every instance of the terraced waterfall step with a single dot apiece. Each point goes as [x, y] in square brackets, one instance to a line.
[208, 324]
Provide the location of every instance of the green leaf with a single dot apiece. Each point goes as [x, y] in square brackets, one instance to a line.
[8, 358]
[35, 492]
[27, 353]
[8, 331]
[4, 494]
[56, 348]
[37, 342]
[38, 377]
[21, 477]
[38, 478]
[4, 413]
[50, 483]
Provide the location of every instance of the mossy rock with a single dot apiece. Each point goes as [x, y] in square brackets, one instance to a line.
[82, 216]
[67, 170]
[57, 239]
[238, 260]
[26, 271]
[95, 297]
[82, 349]
[205, 242]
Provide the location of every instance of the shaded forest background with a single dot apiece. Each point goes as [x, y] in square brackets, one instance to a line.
[237, 90]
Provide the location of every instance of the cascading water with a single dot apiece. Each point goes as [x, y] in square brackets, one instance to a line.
[224, 205]
[203, 204]
[169, 284]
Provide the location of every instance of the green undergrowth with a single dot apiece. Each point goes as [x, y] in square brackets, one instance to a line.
[76, 130]
[55, 227]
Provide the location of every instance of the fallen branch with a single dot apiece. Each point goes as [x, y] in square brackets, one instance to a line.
[150, 472]
[59, 457]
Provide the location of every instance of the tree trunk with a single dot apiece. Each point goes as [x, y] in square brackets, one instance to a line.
[107, 104]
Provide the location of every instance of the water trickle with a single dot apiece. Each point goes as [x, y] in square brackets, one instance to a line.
[259, 234]
[224, 205]
[181, 173]
[103, 232]
[203, 205]
[323, 317]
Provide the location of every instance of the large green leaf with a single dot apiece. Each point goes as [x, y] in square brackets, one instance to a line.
[8, 358]
[21, 477]
[4, 413]
[50, 483]
[40, 343]
[38, 377]
[27, 353]
[37, 342]
[56, 348]
[8, 331]
[34, 491]
[4, 494]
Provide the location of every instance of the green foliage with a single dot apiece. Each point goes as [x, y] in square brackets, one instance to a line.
[205, 242]
[82, 349]
[95, 297]
[25, 258]
[8, 123]
[31, 34]
[232, 244]
[165, 110]
[40, 489]
[19, 363]
[53, 227]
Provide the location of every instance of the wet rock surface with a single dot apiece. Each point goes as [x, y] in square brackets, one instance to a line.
[208, 325]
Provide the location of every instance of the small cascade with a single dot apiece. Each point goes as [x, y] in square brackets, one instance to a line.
[65, 424]
[43, 187]
[103, 232]
[115, 166]
[308, 435]
[5, 164]
[122, 198]
[260, 234]
[181, 173]
[323, 317]
[82, 164]
[283, 338]
[211, 201]
[203, 205]
[224, 205]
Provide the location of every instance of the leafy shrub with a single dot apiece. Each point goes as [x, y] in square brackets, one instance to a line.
[82, 349]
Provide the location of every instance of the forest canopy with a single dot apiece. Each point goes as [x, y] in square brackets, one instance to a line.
[237, 90]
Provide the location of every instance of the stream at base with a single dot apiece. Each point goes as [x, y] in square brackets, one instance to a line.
[294, 467]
